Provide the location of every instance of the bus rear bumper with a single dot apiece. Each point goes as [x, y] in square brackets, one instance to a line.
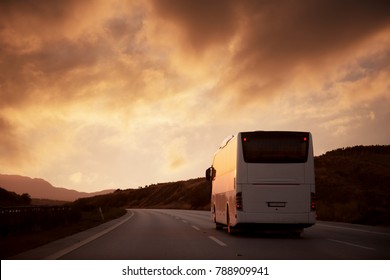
[281, 220]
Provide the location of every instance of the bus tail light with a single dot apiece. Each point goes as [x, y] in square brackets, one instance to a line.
[313, 201]
[239, 204]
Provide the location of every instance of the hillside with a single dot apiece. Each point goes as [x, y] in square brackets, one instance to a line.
[12, 199]
[39, 188]
[191, 194]
[353, 185]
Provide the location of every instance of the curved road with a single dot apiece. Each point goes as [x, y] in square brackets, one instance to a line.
[181, 234]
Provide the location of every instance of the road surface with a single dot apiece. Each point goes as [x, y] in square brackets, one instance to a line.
[181, 234]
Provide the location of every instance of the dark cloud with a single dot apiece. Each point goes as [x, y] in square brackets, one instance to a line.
[41, 18]
[121, 27]
[33, 49]
[274, 37]
[44, 8]
[286, 32]
[44, 57]
[303, 28]
[203, 23]
[45, 71]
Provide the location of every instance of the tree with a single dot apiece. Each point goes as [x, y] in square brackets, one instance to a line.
[26, 198]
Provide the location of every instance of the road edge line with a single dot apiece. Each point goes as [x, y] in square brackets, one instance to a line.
[351, 244]
[73, 247]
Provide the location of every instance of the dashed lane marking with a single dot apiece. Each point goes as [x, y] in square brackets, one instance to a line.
[216, 240]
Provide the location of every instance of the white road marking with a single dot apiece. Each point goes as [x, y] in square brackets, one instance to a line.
[354, 229]
[216, 240]
[195, 227]
[351, 244]
[184, 221]
[69, 249]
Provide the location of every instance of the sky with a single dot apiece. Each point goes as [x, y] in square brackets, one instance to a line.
[103, 94]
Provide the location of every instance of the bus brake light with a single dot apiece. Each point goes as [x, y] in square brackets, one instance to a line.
[313, 205]
[239, 205]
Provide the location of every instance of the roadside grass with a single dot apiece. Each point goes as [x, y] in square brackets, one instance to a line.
[12, 245]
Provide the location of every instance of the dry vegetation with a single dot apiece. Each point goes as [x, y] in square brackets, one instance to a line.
[192, 194]
[353, 185]
[18, 241]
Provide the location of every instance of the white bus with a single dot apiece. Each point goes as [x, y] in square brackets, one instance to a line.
[264, 179]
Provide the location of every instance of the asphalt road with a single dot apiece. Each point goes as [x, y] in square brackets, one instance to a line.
[181, 234]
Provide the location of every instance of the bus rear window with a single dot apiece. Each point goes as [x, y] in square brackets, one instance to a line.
[275, 147]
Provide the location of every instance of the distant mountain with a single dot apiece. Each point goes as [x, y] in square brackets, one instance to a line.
[39, 188]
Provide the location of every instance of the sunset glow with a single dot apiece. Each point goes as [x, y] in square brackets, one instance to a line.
[119, 94]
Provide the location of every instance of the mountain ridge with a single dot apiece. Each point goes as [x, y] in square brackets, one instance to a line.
[42, 189]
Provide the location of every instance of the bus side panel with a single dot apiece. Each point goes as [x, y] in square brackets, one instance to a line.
[222, 194]
[222, 202]
[223, 186]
